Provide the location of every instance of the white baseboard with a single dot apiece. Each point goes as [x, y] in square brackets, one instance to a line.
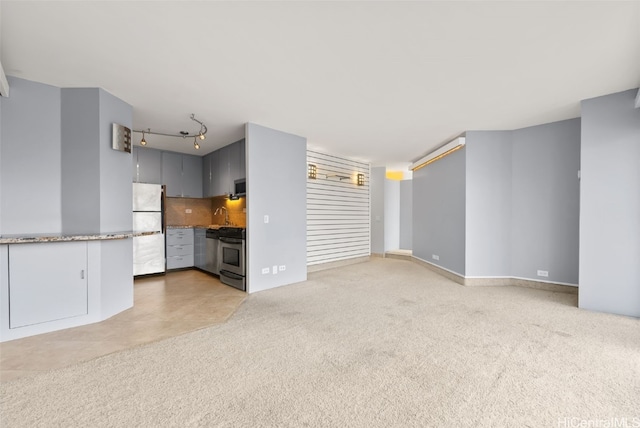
[497, 281]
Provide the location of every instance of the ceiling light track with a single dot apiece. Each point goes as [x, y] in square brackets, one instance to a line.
[201, 134]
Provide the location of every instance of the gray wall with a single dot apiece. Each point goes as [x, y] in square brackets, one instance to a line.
[439, 212]
[115, 167]
[96, 180]
[0, 166]
[30, 159]
[391, 215]
[378, 178]
[488, 203]
[610, 205]
[406, 214]
[80, 161]
[545, 201]
[276, 186]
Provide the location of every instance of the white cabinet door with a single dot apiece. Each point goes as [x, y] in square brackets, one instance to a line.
[47, 282]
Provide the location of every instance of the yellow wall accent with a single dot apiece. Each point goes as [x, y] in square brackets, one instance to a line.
[395, 175]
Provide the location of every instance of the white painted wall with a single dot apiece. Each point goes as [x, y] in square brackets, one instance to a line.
[406, 214]
[338, 211]
[391, 215]
[378, 177]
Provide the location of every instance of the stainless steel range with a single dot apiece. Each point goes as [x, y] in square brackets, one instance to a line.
[232, 256]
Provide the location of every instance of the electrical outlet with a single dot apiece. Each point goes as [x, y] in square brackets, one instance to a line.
[265, 271]
[282, 267]
[188, 211]
[274, 270]
[435, 257]
[266, 219]
[544, 273]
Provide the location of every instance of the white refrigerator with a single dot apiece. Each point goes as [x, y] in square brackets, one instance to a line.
[148, 250]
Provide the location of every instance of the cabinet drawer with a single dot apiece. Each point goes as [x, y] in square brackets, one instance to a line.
[177, 262]
[179, 250]
[179, 236]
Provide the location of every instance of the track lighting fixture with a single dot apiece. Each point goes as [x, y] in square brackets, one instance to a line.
[201, 134]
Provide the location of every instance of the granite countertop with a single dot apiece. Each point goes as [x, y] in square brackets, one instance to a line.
[53, 237]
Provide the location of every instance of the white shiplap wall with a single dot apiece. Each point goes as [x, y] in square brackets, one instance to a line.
[338, 216]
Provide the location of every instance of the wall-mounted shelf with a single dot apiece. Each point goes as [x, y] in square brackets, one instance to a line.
[340, 177]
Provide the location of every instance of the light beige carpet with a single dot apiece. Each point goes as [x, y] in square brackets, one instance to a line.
[382, 343]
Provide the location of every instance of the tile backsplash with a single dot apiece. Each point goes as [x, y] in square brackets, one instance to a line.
[237, 214]
[202, 210]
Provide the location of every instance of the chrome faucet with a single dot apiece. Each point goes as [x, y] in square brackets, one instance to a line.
[226, 214]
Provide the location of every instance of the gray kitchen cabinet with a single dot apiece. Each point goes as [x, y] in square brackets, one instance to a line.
[191, 176]
[172, 173]
[199, 247]
[179, 248]
[222, 167]
[182, 175]
[234, 163]
[149, 165]
[242, 167]
[216, 176]
[224, 183]
[47, 282]
[206, 175]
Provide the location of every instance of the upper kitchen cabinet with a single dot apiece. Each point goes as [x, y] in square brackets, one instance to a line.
[191, 176]
[222, 168]
[172, 173]
[224, 174]
[182, 175]
[242, 166]
[147, 165]
[234, 157]
[207, 175]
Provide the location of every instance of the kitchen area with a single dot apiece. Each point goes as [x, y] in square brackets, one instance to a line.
[67, 235]
[200, 203]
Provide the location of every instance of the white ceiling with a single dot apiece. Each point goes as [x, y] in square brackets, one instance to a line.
[383, 82]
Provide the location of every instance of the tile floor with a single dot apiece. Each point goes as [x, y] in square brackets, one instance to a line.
[164, 306]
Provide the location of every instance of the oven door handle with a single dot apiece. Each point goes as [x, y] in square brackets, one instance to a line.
[230, 240]
[231, 274]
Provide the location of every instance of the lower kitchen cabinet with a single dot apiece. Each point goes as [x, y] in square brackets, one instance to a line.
[47, 282]
[180, 248]
[199, 248]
